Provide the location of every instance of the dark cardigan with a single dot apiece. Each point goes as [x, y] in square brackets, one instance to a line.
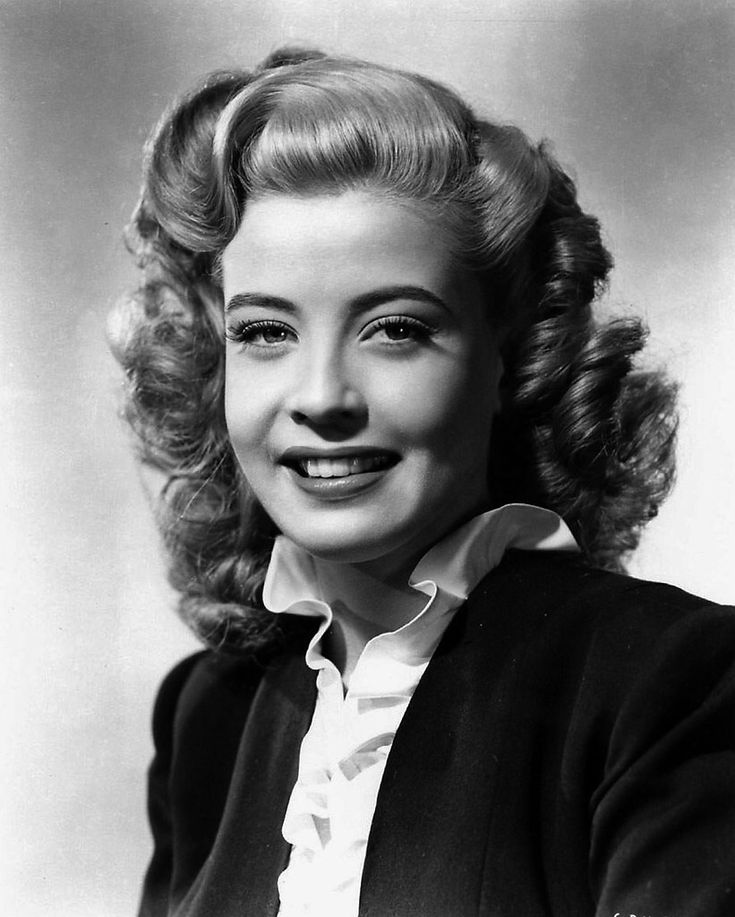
[569, 750]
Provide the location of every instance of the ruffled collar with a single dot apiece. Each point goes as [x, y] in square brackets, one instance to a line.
[446, 574]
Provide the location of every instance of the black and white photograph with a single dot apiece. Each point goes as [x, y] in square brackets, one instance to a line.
[367, 500]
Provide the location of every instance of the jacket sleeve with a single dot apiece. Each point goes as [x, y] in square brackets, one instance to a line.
[663, 820]
[155, 894]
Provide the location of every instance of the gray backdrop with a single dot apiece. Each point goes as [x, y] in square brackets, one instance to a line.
[638, 98]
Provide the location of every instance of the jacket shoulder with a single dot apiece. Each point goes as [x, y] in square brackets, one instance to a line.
[205, 698]
[198, 719]
[564, 584]
[606, 630]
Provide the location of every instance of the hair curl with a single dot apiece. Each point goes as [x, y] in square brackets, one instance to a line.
[581, 431]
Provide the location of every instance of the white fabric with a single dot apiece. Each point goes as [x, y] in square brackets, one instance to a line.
[343, 754]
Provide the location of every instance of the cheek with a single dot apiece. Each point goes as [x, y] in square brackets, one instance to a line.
[450, 412]
[246, 412]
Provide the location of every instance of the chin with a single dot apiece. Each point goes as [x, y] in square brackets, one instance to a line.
[341, 547]
[363, 542]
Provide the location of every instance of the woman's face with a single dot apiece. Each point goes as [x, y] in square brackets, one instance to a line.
[361, 375]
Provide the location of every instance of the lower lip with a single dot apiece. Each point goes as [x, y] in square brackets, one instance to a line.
[338, 488]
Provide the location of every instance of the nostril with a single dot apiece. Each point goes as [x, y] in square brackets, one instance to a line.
[327, 406]
[342, 416]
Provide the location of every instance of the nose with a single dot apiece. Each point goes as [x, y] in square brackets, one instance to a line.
[326, 396]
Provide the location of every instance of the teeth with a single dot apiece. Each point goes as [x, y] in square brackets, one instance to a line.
[341, 467]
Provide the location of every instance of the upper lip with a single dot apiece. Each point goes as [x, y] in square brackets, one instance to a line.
[301, 453]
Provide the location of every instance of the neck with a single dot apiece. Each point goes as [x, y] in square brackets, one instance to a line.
[364, 604]
[372, 597]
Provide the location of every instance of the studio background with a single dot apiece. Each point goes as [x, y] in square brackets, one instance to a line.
[637, 98]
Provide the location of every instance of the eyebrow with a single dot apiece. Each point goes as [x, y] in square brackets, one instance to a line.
[360, 303]
[241, 300]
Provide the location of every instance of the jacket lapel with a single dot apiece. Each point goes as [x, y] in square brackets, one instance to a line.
[430, 829]
[240, 876]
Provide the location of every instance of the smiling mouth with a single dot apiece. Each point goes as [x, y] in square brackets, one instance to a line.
[342, 466]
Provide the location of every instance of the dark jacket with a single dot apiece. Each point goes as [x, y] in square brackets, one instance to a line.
[570, 750]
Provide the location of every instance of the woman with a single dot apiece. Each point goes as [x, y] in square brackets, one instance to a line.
[402, 461]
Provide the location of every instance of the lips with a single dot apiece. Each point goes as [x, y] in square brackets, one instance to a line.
[321, 464]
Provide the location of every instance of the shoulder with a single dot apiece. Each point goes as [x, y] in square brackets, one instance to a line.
[599, 632]
[562, 586]
[558, 572]
[207, 696]
[202, 694]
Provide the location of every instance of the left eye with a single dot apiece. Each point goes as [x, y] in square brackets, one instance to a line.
[398, 329]
[258, 334]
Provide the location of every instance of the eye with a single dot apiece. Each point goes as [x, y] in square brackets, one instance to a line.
[265, 334]
[399, 329]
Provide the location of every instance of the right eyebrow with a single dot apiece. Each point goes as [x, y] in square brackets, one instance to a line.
[240, 300]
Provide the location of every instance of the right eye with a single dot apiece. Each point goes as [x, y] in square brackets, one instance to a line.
[264, 334]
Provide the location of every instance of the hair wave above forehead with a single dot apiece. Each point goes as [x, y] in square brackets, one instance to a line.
[329, 125]
[334, 125]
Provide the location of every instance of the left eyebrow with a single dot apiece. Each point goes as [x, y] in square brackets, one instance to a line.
[387, 294]
[240, 300]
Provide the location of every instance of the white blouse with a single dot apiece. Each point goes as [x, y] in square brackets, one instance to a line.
[343, 754]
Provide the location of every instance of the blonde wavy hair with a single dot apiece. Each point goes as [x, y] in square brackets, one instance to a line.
[582, 431]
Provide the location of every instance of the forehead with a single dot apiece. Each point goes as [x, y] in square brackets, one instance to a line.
[349, 240]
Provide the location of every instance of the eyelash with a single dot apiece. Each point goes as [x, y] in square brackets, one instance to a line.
[246, 333]
[420, 331]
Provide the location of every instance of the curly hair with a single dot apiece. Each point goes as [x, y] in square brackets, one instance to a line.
[582, 430]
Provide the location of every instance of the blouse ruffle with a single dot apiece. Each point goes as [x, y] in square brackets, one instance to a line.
[344, 752]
